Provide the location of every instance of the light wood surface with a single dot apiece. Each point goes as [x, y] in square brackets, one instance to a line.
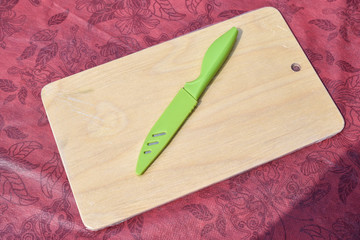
[256, 109]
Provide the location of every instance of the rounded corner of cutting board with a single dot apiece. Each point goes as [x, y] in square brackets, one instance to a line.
[340, 124]
[90, 224]
[271, 9]
[45, 90]
[268, 9]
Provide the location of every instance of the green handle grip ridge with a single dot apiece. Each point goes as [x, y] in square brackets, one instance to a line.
[214, 58]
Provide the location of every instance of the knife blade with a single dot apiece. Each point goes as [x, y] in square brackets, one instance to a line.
[184, 102]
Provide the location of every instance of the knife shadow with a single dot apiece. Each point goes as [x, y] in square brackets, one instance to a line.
[237, 41]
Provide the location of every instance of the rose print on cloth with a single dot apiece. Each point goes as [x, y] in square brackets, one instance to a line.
[10, 23]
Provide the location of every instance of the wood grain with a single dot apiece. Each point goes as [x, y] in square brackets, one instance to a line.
[256, 109]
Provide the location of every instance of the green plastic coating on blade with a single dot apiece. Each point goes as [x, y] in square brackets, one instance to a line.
[165, 128]
[214, 58]
[184, 102]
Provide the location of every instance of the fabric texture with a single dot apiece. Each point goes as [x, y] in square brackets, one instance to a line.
[313, 193]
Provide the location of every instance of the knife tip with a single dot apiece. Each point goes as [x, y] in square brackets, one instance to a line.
[234, 31]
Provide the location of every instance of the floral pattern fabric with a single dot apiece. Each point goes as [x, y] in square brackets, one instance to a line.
[313, 193]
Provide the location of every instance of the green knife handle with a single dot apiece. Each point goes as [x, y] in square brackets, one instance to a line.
[212, 62]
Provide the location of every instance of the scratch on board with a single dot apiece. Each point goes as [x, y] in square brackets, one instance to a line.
[280, 27]
[75, 100]
[88, 115]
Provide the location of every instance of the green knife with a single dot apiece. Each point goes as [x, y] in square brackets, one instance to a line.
[184, 102]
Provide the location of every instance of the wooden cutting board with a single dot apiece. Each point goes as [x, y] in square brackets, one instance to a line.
[256, 109]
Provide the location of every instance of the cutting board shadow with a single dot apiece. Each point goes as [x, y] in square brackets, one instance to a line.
[256, 110]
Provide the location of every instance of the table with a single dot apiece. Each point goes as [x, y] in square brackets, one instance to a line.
[310, 194]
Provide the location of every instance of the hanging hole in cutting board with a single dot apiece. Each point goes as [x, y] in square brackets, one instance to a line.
[295, 67]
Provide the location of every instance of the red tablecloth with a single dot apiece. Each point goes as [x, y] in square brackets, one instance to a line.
[313, 193]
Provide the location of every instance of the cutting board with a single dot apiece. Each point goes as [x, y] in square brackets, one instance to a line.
[257, 109]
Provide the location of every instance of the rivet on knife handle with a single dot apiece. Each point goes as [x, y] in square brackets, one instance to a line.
[184, 102]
